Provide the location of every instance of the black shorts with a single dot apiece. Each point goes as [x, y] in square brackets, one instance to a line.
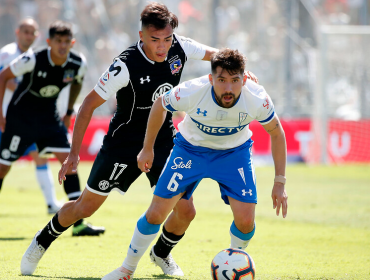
[20, 134]
[115, 171]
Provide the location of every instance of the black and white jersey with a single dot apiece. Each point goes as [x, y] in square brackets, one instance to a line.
[35, 97]
[138, 82]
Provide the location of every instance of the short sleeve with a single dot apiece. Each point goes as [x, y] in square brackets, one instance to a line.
[113, 79]
[192, 49]
[266, 112]
[23, 64]
[174, 100]
[81, 71]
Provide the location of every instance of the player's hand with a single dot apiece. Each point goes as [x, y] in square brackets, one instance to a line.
[280, 199]
[67, 121]
[145, 160]
[2, 122]
[251, 76]
[71, 162]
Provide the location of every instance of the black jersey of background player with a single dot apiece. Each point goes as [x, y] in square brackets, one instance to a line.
[35, 97]
[138, 82]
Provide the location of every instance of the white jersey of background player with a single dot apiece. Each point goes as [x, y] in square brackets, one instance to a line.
[207, 124]
[26, 34]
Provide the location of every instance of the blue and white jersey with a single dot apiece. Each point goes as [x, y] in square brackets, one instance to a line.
[7, 54]
[209, 125]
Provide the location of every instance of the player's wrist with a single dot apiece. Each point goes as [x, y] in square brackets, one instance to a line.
[280, 179]
[69, 112]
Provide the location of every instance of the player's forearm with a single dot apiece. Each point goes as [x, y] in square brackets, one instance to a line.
[155, 122]
[82, 121]
[73, 94]
[279, 153]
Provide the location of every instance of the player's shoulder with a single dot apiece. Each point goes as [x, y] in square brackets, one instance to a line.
[9, 49]
[196, 84]
[76, 57]
[128, 54]
[254, 91]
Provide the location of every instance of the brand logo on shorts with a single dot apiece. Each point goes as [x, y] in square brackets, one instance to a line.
[103, 185]
[5, 154]
[162, 89]
[247, 192]
[178, 163]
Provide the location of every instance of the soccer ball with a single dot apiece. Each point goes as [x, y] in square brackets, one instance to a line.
[233, 264]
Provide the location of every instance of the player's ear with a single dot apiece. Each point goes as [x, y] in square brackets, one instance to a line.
[210, 79]
[48, 41]
[141, 35]
[73, 41]
[244, 79]
[17, 32]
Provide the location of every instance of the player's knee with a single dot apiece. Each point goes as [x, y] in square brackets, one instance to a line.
[245, 225]
[4, 169]
[186, 213]
[155, 217]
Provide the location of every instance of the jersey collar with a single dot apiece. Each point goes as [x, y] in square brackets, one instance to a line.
[139, 46]
[214, 99]
[53, 64]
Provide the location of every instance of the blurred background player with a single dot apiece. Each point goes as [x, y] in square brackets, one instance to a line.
[32, 114]
[26, 33]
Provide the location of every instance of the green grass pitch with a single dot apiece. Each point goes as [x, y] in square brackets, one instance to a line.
[326, 234]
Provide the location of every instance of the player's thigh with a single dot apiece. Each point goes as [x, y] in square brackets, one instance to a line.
[53, 138]
[182, 173]
[234, 171]
[111, 172]
[14, 142]
[244, 213]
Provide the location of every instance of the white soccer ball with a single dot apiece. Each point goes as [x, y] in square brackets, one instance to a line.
[233, 264]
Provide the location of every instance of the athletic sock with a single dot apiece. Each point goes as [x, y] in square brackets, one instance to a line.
[240, 240]
[46, 182]
[1, 183]
[165, 243]
[51, 232]
[73, 191]
[144, 234]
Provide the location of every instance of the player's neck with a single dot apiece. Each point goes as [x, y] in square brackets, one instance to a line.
[22, 49]
[57, 61]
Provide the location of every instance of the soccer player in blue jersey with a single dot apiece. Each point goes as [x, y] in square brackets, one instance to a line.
[214, 141]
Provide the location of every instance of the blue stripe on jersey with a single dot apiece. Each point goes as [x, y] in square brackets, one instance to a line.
[218, 131]
[170, 108]
[269, 118]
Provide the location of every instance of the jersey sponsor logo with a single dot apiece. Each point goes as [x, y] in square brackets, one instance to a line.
[178, 163]
[42, 74]
[68, 76]
[242, 117]
[142, 80]
[218, 131]
[176, 66]
[103, 185]
[5, 154]
[244, 192]
[177, 94]
[162, 89]
[267, 104]
[166, 99]
[105, 78]
[202, 112]
[117, 69]
[49, 91]
[221, 115]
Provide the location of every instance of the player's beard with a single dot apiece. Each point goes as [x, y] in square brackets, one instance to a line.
[221, 103]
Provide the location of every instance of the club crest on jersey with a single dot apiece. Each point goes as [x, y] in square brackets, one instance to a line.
[242, 117]
[68, 76]
[175, 66]
[162, 89]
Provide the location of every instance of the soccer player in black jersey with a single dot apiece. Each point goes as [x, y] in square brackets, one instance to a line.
[138, 76]
[32, 116]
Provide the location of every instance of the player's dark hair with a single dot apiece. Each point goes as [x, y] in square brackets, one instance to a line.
[230, 60]
[60, 28]
[157, 15]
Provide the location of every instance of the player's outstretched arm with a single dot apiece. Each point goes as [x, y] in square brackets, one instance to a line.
[278, 149]
[90, 103]
[5, 76]
[155, 121]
